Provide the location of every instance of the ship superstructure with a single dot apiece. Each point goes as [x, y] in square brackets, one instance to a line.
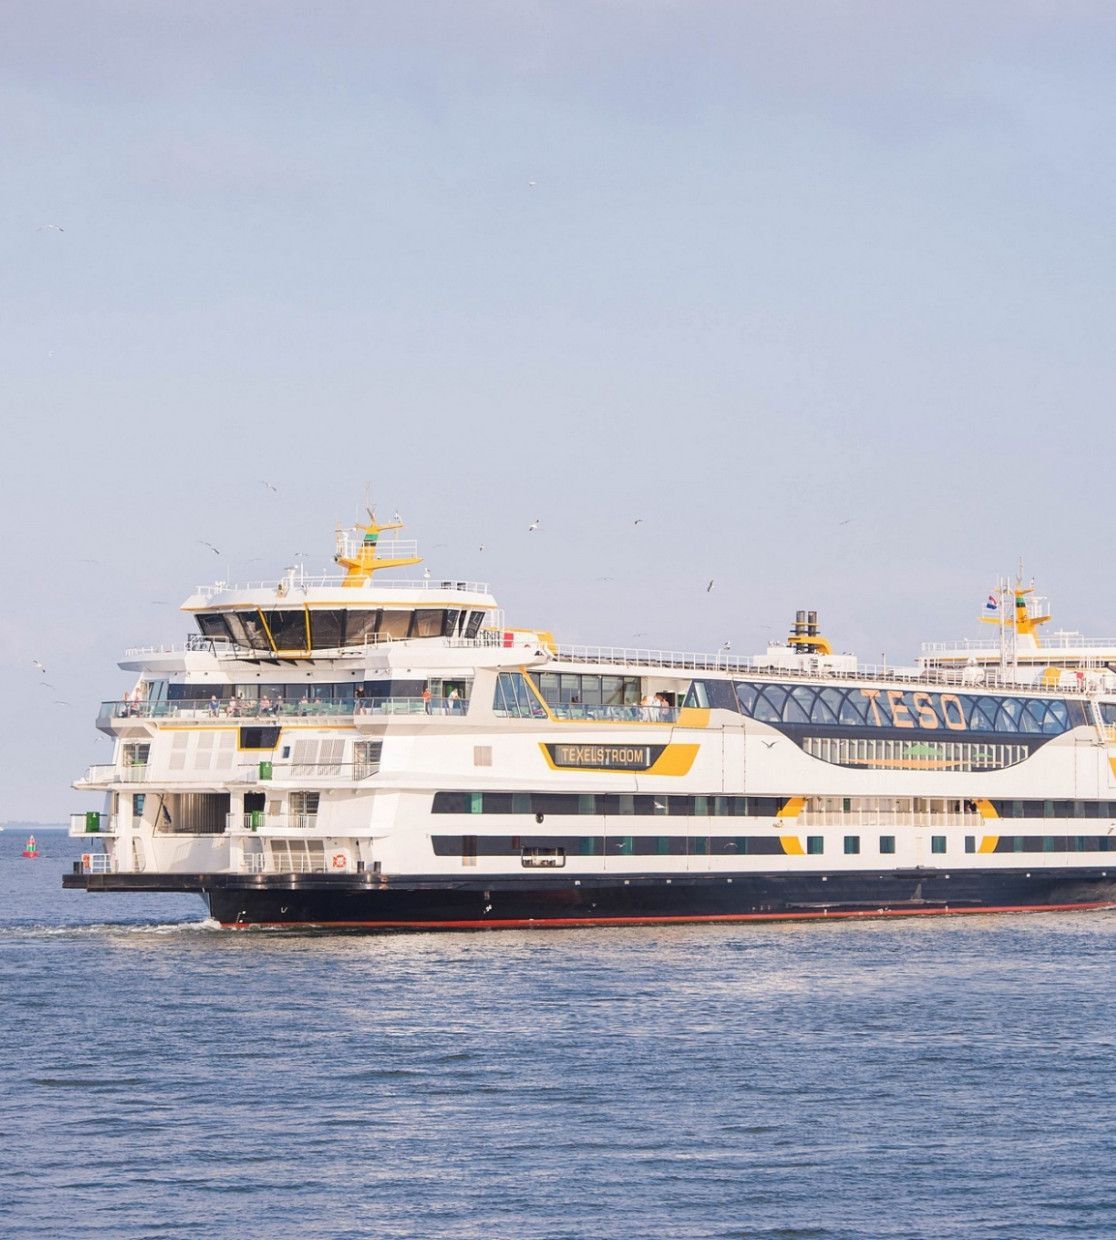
[367, 751]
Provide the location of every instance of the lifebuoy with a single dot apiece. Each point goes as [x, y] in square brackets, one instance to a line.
[86, 861]
[340, 861]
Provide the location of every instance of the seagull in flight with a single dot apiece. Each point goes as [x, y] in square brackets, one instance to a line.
[270, 485]
[531, 184]
[534, 525]
[209, 545]
[709, 586]
[396, 517]
[481, 547]
[638, 521]
[847, 521]
[426, 574]
[45, 684]
[39, 666]
[50, 228]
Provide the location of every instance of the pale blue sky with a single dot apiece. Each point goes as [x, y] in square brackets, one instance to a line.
[784, 266]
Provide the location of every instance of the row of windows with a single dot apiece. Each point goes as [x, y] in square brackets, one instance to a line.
[844, 706]
[513, 697]
[568, 688]
[611, 803]
[1055, 809]
[1055, 843]
[472, 846]
[913, 755]
[303, 628]
[313, 691]
[609, 846]
[720, 806]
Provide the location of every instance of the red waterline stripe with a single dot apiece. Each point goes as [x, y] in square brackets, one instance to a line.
[543, 923]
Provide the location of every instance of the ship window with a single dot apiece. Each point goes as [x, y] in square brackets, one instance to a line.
[746, 696]
[288, 628]
[853, 708]
[852, 845]
[427, 622]
[327, 628]
[395, 624]
[213, 625]
[451, 803]
[137, 804]
[827, 706]
[797, 708]
[937, 843]
[473, 627]
[766, 710]
[360, 627]
[887, 844]
[815, 845]
[259, 738]
[970, 843]
[451, 618]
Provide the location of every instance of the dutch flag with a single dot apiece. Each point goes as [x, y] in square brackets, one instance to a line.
[993, 603]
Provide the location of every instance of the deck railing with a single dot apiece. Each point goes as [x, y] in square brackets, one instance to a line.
[298, 584]
[255, 712]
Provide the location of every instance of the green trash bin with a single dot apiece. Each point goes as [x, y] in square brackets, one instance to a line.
[92, 821]
[255, 819]
[265, 770]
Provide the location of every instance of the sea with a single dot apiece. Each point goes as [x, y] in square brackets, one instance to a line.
[935, 1077]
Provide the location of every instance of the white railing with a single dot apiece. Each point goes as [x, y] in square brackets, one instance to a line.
[964, 678]
[882, 818]
[1061, 640]
[97, 863]
[193, 709]
[253, 863]
[258, 820]
[301, 584]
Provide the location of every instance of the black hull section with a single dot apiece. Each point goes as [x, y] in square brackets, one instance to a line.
[371, 903]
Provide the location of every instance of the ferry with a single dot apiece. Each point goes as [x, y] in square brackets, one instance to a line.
[368, 751]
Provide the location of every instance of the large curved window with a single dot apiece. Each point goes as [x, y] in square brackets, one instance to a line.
[895, 709]
[360, 627]
[327, 628]
[287, 628]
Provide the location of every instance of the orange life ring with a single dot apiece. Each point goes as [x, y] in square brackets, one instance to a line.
[340, 861]
[86, 861]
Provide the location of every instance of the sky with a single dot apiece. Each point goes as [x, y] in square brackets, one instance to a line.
[821, 293]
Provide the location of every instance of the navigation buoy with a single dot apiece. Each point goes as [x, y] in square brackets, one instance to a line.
[31, 849]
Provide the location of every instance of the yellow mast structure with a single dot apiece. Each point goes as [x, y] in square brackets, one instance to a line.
[364, 561]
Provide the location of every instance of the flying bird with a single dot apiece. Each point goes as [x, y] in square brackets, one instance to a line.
[638, 521]
[709, 586]
[58, 703]
[209, 545]
[395, 516]
[531, 184]
[659, 805]
[45, 684]
[768, 743]
[270, 485]
[426, 574]
[50, 228]
[481, 547]
[534, 525]
[39, 666]
[847, 521]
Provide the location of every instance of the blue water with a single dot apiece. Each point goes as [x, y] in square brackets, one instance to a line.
[932, 1078]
